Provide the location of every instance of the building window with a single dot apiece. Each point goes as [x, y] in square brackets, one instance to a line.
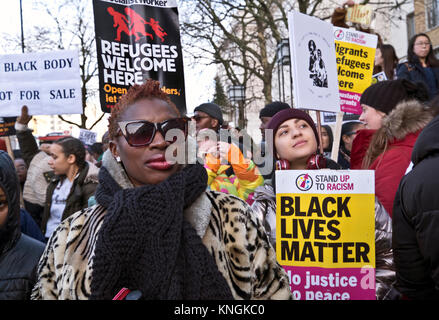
[432, 9]
[410, 25]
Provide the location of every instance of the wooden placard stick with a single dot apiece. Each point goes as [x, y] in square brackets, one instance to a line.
[337, 136]
[319, 131]
[9, 147]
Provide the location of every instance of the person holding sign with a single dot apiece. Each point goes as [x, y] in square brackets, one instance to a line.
[394, 114]
[338, 19]
[386, 61]
[296, 143]
[296, 147]
[421, 65]
[155, 228]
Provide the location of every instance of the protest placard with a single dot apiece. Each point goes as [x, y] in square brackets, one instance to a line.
[378, 77]
[47, 82]
[135, 41]
[87, 137]
[325, 233]
[7, 126]
[330, 117]
[313, 63]
[355, 53]
[360, 13]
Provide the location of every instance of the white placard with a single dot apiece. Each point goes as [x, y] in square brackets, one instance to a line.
[360, 14]
[314, 66]
[325, 181]
[48, 83]
[378, 77]
[87, 137]
[330, 118]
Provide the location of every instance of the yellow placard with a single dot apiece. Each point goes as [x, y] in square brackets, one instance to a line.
[322, 230]
[354, 66]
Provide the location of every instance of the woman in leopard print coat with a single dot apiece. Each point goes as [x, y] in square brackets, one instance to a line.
[230, 234]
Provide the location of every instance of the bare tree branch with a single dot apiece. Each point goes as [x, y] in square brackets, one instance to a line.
[70, 25]
[97, 121]
[241, 36]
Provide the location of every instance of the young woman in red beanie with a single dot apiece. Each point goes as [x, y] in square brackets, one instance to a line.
[296, 146]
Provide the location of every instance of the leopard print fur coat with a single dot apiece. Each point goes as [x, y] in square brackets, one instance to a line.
[229, 229]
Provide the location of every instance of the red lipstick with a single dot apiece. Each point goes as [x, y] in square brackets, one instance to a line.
[158, 162]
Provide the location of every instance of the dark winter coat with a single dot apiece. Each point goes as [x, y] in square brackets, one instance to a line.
[416, 220]
[39, 174]
[416, 73]
[19, 254]
[29, 227]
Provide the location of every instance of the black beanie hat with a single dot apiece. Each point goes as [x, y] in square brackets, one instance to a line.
[385, 95]
[212, 110]
[272, 108]
[288, 114]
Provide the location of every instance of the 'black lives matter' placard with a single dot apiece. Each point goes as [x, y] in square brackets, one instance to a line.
[325, 233]
[137, 40]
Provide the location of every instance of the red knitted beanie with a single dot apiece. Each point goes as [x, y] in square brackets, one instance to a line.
[288, 114]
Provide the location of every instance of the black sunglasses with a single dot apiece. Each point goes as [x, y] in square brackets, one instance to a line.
[140, 133]
[198, 118]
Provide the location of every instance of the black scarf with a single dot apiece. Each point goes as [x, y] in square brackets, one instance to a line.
[146, 244]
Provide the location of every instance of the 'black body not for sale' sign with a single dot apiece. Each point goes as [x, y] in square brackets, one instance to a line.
[137, 40]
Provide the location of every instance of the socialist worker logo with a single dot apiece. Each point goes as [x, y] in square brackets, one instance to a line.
[304, 182]
[133, 24]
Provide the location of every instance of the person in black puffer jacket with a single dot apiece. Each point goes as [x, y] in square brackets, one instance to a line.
[19, 254]
[416, 220]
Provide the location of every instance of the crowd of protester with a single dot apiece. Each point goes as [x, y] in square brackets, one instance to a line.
[85, 221]
[85, 204]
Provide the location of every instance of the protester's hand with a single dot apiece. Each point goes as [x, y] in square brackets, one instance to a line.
[24, 118]
[349, 3]
[206, 146]
[206, 143]
[223, 148]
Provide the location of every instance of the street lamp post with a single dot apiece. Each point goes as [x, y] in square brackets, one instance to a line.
[237, 94]
[283, 59]
[22, 33]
